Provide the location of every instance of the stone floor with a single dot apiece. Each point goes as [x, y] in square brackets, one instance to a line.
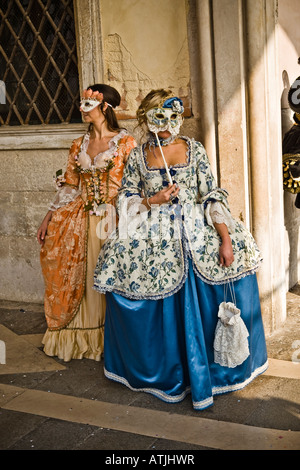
[47, 404]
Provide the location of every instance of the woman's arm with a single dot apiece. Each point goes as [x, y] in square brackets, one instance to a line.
[210, 193]
[43, 228]
[226, 251]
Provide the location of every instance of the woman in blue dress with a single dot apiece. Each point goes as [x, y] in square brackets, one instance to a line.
[175, 257]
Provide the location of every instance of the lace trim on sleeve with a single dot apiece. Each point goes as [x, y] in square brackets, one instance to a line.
[63, 196]
[216, 212]
[134, 205]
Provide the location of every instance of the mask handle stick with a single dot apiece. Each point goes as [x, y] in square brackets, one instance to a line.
[165, 163]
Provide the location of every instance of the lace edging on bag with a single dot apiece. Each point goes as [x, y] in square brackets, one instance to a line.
[231, 337]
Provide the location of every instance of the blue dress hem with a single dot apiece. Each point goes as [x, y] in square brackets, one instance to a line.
[199, 405]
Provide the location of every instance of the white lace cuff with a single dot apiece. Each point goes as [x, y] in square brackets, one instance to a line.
[216, 212]
[131, 205]
[134, 205]
[64, 195]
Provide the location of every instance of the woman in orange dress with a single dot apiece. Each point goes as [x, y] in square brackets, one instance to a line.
[75, 228]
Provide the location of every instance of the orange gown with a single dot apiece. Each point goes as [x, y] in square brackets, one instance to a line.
[75, 312]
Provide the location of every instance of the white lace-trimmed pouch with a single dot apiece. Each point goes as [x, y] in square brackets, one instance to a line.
[231, 336]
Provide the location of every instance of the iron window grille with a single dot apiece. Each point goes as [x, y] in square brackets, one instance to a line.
[38, 62]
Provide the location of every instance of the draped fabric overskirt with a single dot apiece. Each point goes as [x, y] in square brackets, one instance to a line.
[83, 335]
[63, 262]
[165, 347]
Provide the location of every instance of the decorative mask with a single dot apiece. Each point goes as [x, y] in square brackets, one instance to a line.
[88, 105]
[90, 100]
[167, 117]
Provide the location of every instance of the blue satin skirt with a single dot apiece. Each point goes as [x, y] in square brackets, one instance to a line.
[165, 347]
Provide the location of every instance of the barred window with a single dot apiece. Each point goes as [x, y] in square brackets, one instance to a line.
[38, 62]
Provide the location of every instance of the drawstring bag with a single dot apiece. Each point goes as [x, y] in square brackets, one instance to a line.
[231, 335]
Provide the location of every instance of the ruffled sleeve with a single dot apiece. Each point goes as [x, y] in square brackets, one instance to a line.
[216, 212]
[131, 193]
[216, 207]
[69, 184]
[126, 144]
[112, 179]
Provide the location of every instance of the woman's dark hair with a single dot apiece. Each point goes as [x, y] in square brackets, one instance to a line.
[112, 97]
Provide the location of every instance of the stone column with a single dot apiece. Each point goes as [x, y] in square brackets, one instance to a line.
[228, 34]
[89, 42]
[201, 47]
[219, 99]
[266, 156]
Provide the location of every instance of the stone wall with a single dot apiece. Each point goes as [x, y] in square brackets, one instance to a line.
[145, 46]
[29, 158]
[26, 190]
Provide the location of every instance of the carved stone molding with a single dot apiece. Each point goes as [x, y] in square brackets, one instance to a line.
[39, 137]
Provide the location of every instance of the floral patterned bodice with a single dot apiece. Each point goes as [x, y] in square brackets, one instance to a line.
[147, 256]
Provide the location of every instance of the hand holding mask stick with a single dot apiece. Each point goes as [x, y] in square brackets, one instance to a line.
[165, 163]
